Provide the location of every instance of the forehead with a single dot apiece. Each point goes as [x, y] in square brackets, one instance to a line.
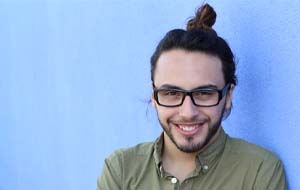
[188, 70]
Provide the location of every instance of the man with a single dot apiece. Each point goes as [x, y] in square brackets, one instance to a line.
[193, 76]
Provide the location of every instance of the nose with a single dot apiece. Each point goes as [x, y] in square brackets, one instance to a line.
[188, 110]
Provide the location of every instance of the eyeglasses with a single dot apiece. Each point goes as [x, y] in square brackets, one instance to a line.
[202, 97]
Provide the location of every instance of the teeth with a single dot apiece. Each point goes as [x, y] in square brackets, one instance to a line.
[187, 128]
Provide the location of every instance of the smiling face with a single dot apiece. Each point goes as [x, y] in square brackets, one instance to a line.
[190, 127]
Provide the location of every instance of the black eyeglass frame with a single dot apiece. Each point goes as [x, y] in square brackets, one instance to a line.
[221, 93]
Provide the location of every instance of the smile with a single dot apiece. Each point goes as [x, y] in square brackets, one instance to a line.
[189, 129]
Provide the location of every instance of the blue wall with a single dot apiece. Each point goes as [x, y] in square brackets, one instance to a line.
[74, 82]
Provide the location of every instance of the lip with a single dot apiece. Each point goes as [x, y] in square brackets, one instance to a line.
[188, 129]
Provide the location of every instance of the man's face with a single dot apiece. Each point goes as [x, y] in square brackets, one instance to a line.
[190, 127]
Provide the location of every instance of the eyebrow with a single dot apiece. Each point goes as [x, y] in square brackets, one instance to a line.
[206, 86]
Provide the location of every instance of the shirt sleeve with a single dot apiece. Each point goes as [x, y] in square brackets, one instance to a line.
[271, 175]
[110, 177]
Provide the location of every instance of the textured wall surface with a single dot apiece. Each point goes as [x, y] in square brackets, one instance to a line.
[75, 81]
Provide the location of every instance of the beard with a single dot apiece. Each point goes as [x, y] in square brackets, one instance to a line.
[194, 147]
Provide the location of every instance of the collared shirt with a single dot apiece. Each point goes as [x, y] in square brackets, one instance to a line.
[227, 164]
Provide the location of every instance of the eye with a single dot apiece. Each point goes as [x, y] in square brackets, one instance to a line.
[206, 93]
[170, 93]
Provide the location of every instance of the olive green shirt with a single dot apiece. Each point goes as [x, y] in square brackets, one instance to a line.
[227, 164]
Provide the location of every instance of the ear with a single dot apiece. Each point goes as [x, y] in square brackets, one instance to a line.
[229, 96]
[153, 101]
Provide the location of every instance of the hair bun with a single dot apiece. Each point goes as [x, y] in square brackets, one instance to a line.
[205, 18]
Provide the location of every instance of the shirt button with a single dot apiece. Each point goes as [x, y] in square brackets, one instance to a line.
[205, 167]
[173, 180]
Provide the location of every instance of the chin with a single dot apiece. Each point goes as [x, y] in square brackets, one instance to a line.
[190, 144]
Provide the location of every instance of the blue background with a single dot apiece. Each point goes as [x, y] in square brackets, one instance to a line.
[75, 81]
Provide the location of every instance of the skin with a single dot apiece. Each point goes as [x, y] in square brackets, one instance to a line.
[188, 70]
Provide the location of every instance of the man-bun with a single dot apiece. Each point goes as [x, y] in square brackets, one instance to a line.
[205, 18]
[198, 36]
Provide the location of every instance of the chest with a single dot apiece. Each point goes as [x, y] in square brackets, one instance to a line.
[216, 178]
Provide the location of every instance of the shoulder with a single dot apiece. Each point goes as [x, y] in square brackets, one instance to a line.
[131, 160]
[123, 161]
[267, 168]
[242, 148]
[132, 153]
[262, 166]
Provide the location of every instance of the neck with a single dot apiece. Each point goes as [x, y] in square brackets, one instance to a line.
[179, 163]
[171, 152]
[170, 149]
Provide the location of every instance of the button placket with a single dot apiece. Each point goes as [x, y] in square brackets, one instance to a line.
[203, 164]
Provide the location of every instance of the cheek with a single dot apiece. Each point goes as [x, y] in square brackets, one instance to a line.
[165, 113]
[214, 113]
[153, 102]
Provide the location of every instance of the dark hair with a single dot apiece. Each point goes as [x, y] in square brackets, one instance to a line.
[199, 36]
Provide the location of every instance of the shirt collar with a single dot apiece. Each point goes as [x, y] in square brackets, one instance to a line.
[204, 160]
[158, 147]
